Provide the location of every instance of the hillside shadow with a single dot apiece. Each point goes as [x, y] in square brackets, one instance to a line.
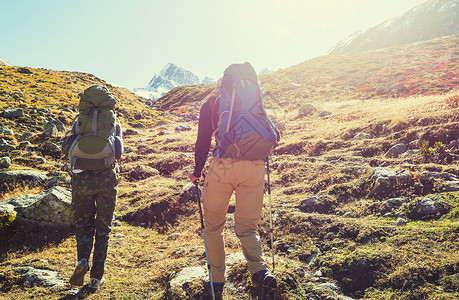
[25, 238]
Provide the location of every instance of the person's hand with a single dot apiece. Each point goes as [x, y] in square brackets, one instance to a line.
[193, 179]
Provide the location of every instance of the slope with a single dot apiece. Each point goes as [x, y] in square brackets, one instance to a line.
[429, 20]
[429, 67]
[338, 234]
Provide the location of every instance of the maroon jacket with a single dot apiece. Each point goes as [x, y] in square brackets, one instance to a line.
[208, 119]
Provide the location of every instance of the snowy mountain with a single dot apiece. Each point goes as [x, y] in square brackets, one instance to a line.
[169, 77]
[4, 62]
[264, 71]
[429, 20]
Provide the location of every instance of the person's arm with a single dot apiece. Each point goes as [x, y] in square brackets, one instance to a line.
[203, 140]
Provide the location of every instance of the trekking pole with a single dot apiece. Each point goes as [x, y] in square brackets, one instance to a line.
[205, 243]
[270, 212]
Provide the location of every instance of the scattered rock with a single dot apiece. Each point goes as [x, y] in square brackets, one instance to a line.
[454, 144]
[387, 182]
[5, 162]
[26, 136]
[324, 114]
[183, 128]
[415, 144]
[427, 208]
[7, 214]
[59, 125]
[174, 236]
[320, 204]
[141, 172]
[362, 135]
[130, 132]
[24, 71]
[162, 123]
[392, 204]
[13, 113]
[52, 149]
[50, 207]
[179, 283]
[11, 179]
[401, 221]
[5, 146]
[330, 286]
[409, 153]
[6, 131]
[399, 88]
[38, 277]
[396, 150]
[306, 110]
[50, 130]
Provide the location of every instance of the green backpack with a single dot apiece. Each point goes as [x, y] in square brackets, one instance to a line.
[97, 139]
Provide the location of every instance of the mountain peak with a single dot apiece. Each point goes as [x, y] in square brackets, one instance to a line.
[4, 62]
[169, 77]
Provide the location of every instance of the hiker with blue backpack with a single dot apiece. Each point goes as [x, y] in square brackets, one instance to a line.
[245, 137]
[93, 148]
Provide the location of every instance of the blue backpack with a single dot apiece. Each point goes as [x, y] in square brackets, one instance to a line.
[244, 130]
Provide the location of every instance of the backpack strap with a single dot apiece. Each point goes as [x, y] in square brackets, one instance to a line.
[233, 96]
[94, 120]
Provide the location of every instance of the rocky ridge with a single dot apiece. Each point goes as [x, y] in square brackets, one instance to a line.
[429, 20]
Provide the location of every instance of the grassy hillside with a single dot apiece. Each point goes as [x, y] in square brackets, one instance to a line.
[424, 68]
[331, 228]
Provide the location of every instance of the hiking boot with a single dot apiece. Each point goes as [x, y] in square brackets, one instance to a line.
[218, 290]
[94, 283]
[267, 286]
[77, 277]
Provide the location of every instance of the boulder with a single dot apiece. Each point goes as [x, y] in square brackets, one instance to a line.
[362, 135]
[11, 179]
[426, 208]
[183, 278]
[396, 150]
[388, 182]
[50, 130]
[59, 125]
[392, 204]
[39, 277]
[52, 207]
[52, 149]
[13, 113]
[24, 70]
[399, 88]
[320, 204]
[7, 214]
[448, 180]
[5, 162]
[324, 114]
[306, 110]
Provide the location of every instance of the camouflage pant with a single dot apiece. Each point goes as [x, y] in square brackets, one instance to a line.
[94, 196]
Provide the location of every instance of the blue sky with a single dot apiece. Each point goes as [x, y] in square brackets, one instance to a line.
[126, 42]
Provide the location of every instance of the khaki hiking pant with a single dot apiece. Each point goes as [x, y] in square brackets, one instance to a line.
[246, 178]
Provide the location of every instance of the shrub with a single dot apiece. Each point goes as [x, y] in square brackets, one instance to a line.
[453, 101]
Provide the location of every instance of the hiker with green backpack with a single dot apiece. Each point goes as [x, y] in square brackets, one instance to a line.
[93, 148]
[245, 137]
